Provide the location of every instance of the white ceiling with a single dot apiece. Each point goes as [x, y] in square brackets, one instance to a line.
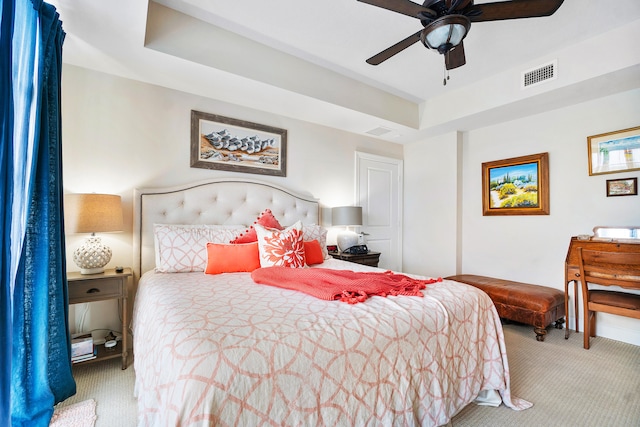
[306, 59]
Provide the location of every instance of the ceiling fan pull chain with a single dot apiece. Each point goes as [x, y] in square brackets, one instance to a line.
[446, 75]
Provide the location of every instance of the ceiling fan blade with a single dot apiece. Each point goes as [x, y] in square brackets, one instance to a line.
[514, 9]
[405, 7]
[396, 48]
[455, 57]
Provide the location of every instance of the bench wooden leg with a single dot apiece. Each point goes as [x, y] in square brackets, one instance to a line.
[558, 323]
[540, 333]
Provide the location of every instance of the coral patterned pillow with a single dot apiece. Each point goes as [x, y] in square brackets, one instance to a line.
[266, 219]
[281, 248]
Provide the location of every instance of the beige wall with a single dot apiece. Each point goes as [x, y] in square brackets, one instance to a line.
[119, 134]
[523, 248]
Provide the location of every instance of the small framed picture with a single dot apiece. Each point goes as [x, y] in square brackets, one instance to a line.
[622, 187]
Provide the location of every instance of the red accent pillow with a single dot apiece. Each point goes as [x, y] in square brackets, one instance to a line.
[224, 258]
[266, 219]
[313, 252]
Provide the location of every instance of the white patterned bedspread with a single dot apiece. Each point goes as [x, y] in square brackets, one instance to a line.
[223, 350]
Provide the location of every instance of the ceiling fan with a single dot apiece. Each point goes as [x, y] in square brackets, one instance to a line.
[447, 22]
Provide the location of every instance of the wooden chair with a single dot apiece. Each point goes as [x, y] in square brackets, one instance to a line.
[608, 269]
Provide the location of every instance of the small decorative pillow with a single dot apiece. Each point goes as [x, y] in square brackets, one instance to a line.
[281, 248]
[182, 248]
[266, 219]
[228, 258]
[319, 233]
[313, 252]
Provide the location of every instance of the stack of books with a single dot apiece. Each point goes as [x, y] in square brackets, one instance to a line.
[82, 348]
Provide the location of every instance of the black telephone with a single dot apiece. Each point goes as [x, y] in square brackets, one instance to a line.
[357, 250]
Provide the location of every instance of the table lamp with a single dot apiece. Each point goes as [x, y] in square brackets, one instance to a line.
[349, 216]
[92, 213]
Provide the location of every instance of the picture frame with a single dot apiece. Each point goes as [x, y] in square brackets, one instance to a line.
[229, 144]
[614, 152]
[516, 186]
[622, 187]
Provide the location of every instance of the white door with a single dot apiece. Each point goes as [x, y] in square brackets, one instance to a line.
[379, 191]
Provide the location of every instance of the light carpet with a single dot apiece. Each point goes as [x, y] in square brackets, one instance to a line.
[112, 389]
[81, 414]
[569, 386]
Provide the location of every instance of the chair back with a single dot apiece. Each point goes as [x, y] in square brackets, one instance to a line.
[609, 268]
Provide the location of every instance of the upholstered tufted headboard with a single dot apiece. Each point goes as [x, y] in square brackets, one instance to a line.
[222, 201]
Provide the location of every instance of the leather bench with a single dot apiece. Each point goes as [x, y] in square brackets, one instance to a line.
[538, 306]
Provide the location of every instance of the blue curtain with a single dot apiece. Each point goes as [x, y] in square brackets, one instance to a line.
[36, 368]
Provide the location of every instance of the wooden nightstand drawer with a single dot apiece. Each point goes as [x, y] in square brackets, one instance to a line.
[94, 290]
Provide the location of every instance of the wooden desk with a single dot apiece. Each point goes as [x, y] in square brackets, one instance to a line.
[572, 269]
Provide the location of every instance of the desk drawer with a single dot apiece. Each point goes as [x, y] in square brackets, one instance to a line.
[94, 290]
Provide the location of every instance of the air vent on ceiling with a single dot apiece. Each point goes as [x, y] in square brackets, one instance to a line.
[540, 74]
[379, 131]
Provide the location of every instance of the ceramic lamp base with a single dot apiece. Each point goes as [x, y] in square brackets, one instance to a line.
[346, 239]
[92, 270]
[92, 256]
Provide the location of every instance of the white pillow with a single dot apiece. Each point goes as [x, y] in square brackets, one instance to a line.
[316, 232]
[281, 248]
[183, 248]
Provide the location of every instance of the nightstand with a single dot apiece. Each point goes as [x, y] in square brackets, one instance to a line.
[100, 287]
[370, 258]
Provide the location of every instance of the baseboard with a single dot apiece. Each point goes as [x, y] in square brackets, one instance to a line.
[617, 328]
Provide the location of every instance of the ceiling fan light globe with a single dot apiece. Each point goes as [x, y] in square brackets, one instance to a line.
[445, 33]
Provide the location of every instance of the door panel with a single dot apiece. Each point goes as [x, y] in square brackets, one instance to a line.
[379, 192]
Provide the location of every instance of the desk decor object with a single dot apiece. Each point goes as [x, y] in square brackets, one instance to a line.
[223, 143]
[93, 213]
[622, 187]
[613, 152]
[516, 186]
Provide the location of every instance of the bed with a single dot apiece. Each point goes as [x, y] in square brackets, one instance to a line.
[221, 349]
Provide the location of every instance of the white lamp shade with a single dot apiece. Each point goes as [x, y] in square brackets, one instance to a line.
[346, 215]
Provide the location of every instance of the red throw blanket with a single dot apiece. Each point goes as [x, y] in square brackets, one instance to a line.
[344, 285]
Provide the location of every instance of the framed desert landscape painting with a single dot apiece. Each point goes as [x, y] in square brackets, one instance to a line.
[516, 186]
[224, 143]
[613, 152]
